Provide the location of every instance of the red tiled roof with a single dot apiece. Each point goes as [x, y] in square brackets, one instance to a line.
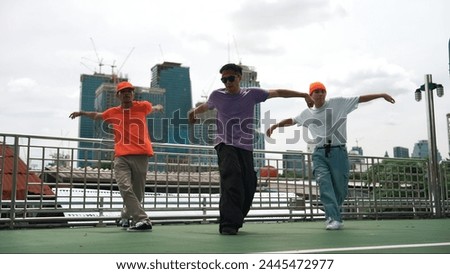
[35, 185]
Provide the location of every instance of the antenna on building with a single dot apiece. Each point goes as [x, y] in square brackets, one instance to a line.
[162, 53]
[100, 61]
[113, 66]
[113, 75]
[228, 50]
[86, 66]
[357, 141]
[237, 51]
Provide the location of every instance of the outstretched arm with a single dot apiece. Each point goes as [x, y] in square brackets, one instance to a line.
[285, 93]
[283, 123]
[370, 97]
[200, 109]
[90, 114]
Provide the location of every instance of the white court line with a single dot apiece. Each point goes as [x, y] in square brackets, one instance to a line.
[324, 250]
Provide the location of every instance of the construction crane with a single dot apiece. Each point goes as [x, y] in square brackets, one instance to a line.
[100, 61]
[123, 63]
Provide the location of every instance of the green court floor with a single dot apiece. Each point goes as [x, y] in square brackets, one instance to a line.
[368, 236]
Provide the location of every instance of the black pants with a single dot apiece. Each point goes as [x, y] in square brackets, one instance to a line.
[237, 184]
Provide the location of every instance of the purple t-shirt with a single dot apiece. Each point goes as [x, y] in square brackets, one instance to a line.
[235, 115]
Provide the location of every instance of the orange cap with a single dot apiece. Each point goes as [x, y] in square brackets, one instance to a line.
[123, 85]
[315, 86]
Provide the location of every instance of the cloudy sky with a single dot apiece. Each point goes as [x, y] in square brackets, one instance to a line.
[353, 46]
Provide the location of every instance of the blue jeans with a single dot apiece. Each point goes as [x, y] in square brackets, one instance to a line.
[331, 172]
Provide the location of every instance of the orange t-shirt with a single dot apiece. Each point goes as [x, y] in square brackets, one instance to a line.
[131, 135]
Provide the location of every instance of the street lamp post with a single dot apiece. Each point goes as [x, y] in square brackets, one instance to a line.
[428, 88]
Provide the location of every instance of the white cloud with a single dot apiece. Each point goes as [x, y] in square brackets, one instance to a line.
[20, 85]
[363, 75]
[263, 16]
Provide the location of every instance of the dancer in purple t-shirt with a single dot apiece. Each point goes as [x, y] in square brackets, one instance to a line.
[234, 142]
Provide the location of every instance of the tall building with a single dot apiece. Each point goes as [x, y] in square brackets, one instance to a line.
[355, 161]
[421, 150]
[357, 150]
[89, 84]
[175, 79]
[249, 79]
[401, 152]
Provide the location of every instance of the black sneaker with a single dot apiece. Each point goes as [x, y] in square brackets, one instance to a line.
[145, 225]
[123, 223]
[228, 231]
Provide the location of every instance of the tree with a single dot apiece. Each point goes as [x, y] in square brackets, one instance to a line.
[399, 186]
[398, 178]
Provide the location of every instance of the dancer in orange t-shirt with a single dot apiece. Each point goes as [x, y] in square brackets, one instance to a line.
[132, 148]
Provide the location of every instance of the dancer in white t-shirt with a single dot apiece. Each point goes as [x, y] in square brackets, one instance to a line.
[327, 123]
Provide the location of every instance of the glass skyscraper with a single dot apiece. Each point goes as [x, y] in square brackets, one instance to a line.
[420, 150]
[249, 79]
[176, 81]
[173, 127]
[401, 152]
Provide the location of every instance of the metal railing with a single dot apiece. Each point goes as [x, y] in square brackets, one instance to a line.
[45, 182]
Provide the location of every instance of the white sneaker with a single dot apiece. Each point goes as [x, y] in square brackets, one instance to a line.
[145, 225]
[124, 223]
[334, 225]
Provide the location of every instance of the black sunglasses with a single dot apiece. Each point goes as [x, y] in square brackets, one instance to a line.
[229, 79]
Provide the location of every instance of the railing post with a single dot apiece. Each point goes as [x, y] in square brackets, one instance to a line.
[291, 204]
[100, 210]
[310, 188]
[204, 221]
[15, 169]
[374, 189]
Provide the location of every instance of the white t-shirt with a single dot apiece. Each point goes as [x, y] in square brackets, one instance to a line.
[328, 122]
